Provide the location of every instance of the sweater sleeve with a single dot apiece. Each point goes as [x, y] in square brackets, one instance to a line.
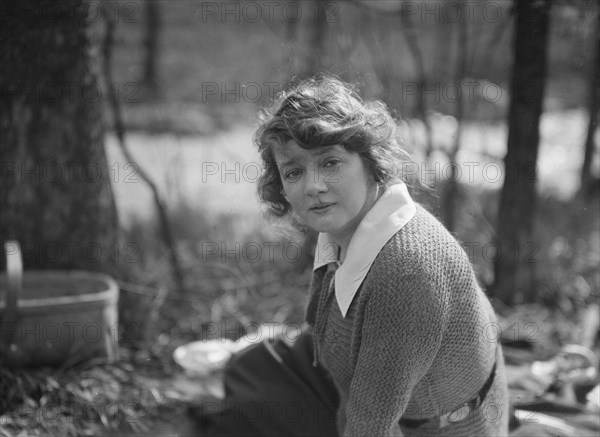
[401, 334]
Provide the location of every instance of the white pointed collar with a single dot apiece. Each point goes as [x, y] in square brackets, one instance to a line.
[388, 215]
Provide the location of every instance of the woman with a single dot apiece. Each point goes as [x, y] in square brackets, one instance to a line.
[399, 319]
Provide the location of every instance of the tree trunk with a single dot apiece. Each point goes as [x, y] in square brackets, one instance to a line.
[151, 38]
[451, 186]
[56, 193]
[317, 38]
[291, 37]
[588, 183]
[408, 30]
[379, 60]
[513, 267]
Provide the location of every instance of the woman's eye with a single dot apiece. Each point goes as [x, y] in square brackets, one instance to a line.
[332, 163]
[292, 174]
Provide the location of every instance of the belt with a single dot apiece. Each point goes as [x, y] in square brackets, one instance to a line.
[459, 413]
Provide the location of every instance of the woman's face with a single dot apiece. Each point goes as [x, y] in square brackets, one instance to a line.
[329, 188]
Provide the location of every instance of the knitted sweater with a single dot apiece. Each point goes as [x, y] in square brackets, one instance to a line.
[414, 342]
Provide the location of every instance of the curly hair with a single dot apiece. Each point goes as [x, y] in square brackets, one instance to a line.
[324, 111]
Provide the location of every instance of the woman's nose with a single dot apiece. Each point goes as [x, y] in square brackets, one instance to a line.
[315, 183]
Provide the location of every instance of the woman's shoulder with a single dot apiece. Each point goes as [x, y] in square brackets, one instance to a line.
[423, 243]
[425, 223]
[424, 261]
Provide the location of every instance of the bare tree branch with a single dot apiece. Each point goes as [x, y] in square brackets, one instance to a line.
[119, 127]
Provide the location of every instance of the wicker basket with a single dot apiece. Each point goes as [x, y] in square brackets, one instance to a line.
[55, 318]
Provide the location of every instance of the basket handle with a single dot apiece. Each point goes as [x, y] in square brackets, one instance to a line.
[14, 274]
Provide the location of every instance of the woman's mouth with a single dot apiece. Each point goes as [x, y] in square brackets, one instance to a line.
[321, 207]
